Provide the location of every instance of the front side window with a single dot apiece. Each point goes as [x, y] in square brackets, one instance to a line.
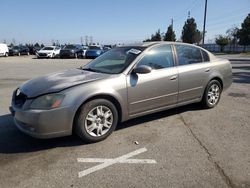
[158, 58]
[188, 54]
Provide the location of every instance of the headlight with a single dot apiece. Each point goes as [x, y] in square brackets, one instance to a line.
[47, 102]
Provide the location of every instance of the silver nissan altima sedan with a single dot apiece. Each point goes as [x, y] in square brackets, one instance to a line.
[123, 83]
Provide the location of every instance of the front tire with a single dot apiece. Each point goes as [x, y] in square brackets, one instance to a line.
[211, 96]
[96, 120]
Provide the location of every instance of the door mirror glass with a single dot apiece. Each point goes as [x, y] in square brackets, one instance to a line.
[142, 69]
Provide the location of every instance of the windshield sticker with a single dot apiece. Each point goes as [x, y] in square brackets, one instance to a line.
[134, 51]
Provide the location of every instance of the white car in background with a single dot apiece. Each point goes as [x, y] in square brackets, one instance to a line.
[48, 52]
[4, 50]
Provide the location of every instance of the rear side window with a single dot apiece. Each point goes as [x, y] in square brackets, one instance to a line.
[158, 58]
[188, 54]
[205, 56]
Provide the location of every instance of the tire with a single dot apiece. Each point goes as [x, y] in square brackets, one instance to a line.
[92, 126]
[6, 54]
[211, 96]
[53, 55]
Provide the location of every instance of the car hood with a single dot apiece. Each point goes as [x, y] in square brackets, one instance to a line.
[45, 51]
[94, 50]
[58, 81]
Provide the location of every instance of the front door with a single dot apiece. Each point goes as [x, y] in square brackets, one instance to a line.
[157, 89]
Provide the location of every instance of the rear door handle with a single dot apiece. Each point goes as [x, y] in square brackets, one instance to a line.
[173, 77]
[207, 70]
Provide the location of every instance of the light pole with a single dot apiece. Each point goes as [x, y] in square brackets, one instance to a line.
[204, 24]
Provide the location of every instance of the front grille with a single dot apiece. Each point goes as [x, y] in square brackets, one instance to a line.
[42, 54]
[19, 98]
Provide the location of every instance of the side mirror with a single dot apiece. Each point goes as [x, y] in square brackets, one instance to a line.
[142, 69]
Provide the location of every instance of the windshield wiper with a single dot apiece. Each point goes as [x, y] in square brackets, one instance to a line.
[90, 69]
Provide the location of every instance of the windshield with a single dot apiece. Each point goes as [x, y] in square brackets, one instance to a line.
[94, 47]
[69, 47]
[115, 60]
[48, 48]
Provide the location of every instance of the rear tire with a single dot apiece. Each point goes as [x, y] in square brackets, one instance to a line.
[96, 120]
[212, 93]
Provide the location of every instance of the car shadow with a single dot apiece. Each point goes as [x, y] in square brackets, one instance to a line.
[14, 141]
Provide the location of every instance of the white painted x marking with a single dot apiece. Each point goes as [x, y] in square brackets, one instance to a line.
[109, 162]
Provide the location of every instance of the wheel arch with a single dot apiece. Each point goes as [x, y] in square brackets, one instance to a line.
[218, 79]
[108, 97]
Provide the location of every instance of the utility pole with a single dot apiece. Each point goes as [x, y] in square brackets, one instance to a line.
[87, 40]
[204, 24]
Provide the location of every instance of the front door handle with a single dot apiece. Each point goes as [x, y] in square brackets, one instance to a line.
[173, 77]
[207, 70]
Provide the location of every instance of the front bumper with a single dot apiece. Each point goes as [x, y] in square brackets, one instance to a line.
[67, 55]
[43, 55]
[44, 123]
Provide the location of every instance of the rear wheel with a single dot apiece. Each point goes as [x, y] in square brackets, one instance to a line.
[212, 94]
[96, 120]
[6, 54]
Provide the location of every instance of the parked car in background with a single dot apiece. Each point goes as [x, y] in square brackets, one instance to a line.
[94, 51]
[106, 48]
[84, 49]
[19, 50]
[4, 50]
[71, 51]
[49, 52]
[34, 49]
[123, 83]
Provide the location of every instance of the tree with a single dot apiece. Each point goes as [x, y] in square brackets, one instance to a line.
[222, 41]
[232, 35]
[244, 32]
[190, 33]
[197, 37]
[156, 36]
[169, 35]
[37, 45]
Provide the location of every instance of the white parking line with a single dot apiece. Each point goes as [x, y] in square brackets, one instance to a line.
[109, 162]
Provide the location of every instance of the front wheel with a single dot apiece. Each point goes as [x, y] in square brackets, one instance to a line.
[212, 94]
[96, 120]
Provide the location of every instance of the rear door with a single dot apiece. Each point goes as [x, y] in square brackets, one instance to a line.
[156, 89]
[193, 71]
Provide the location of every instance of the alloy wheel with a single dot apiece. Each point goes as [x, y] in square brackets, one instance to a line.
[99, 121]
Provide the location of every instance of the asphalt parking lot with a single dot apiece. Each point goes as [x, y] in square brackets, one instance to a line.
[183, 147]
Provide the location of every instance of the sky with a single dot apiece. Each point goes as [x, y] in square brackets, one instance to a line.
[112, 21]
